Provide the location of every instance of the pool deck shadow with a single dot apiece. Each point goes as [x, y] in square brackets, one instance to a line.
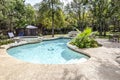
[101, 66]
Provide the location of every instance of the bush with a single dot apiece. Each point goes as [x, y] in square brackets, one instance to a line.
[40, 35]
[84, 39]
[2, 37]
[4, 42]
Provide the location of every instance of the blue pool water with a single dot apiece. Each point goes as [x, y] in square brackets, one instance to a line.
[46, 52]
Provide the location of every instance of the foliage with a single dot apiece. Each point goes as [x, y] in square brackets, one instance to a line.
[77, 12]
[102, 11]
[2, 37]
[100, 15]
[40, 35]
[83, 40]
[15, 14]
[4, 42]
[45, 14]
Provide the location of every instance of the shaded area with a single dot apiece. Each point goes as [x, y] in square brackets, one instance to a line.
[108, 72]
[73, 75]
[108, 44]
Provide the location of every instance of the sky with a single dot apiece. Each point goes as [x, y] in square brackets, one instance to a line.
[33, 2]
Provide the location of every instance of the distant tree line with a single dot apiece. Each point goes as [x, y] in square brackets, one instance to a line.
[52, 16]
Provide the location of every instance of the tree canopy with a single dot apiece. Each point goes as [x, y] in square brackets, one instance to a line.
[101, 15]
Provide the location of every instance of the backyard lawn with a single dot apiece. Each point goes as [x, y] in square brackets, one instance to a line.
[60, 40]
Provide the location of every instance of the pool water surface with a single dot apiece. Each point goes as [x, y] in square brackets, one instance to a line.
[47, 52]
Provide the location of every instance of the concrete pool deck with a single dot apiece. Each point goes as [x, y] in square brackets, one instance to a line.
[101, 66]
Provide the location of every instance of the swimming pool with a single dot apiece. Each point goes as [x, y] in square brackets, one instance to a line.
[47, 52]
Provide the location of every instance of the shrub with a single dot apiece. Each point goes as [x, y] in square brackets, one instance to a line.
[40, 35]
[2, 37]
[85, 39]
[3, 42]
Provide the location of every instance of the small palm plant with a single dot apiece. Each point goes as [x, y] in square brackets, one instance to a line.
[84, 39]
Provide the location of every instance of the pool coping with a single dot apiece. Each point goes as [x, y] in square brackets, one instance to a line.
[33, 42]
[76, 49]
[100, 66]
[49, 39]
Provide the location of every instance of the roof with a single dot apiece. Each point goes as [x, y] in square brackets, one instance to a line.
[31, 27]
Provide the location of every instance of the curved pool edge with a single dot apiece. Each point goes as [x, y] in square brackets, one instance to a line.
[76, 49]
[44, 39]
[52, 71]
[34, 42]
[47, 39]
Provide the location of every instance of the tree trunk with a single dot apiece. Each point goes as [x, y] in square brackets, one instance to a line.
[79, 21]
[100, 27]
[52, 20]
[79, 17]
[119, 25]
[114, 23]
[83, 21]
[105, 28]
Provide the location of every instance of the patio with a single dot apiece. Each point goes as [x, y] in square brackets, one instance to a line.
[101, 66]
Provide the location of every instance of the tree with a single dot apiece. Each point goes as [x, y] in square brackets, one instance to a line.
[15, 14]
[78, 10]
[50, 14]
[102, 11]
